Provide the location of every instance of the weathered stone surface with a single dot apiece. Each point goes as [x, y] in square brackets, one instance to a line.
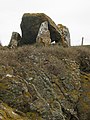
[42, 92]
[7, 113]
[37, 92]
[15, 39]
[43, 36]
[30, 26]
[65, 35]
[43, 84]
[84, 100]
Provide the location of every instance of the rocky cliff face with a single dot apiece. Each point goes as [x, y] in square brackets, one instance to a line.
[43, 84]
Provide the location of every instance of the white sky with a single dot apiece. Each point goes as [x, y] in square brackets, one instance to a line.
[75, 14]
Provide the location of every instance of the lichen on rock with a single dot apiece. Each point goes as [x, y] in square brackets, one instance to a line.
[30, 26]
[43, 36]
[15, 39]
[65, 35]
[44, 83]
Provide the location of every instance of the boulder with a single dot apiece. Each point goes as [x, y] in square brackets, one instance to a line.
[15, 39]
[65, 34]
[30, 25]
[43, 36]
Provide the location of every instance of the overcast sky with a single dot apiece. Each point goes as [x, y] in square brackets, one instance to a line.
[75, 14]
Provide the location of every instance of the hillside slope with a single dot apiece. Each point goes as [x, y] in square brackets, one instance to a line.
[45, 83]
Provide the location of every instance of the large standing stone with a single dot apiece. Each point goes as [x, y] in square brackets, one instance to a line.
[30, 26]
[65, 35]
[0, 43]
[15, 39]
[43, 36]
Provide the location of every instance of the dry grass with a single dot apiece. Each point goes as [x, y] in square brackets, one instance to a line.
[49, 58]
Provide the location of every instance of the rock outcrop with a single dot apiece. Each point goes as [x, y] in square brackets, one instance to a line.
[15, 39]
[30, 26]
[65, 35]
[43, 94]
[83, 105]
[43, 36]
[7, 113]
[43, 84]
